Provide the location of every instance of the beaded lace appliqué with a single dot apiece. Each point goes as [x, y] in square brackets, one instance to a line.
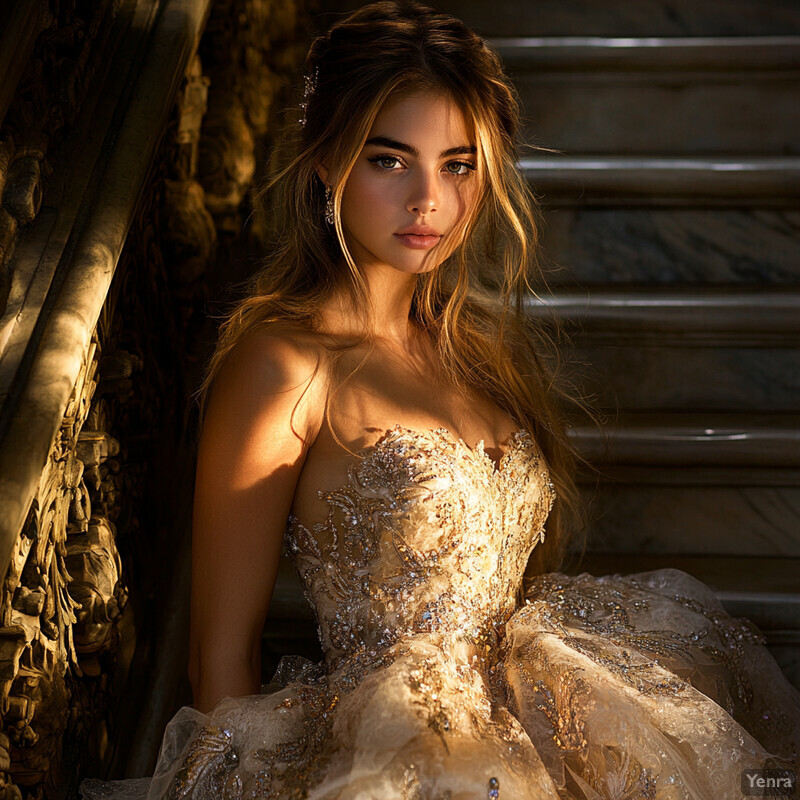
[426, 536]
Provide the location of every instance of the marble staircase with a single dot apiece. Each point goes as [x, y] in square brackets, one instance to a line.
[671, 228]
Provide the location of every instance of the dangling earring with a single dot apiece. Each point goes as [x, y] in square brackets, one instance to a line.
[330, 216]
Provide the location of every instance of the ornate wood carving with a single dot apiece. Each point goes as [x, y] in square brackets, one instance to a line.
[61, 596]
[69, 606]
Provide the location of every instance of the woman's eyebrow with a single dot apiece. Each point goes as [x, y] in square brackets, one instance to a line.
[385, 141]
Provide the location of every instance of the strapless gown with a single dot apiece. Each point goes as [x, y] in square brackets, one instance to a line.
[444, 678]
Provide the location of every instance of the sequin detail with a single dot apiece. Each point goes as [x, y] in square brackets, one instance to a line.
[206, 769]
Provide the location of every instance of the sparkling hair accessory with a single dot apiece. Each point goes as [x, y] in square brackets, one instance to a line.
[309, 89]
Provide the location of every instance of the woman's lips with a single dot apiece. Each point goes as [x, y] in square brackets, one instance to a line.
[416, 241]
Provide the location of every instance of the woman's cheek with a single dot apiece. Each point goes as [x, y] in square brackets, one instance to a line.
[364, 198]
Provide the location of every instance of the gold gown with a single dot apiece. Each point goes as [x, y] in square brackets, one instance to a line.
[438, 684]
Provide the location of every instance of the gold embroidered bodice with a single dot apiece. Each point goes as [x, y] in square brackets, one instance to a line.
[427, 538]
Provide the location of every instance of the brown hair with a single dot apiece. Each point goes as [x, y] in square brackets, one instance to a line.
[472, 304]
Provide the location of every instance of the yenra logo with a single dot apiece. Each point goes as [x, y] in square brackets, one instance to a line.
[768, 783]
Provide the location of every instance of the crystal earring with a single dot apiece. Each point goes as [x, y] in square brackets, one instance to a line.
[329, 210]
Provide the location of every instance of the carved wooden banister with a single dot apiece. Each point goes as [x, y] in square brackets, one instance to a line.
[47, 369]
[129, 139]
[76, 160]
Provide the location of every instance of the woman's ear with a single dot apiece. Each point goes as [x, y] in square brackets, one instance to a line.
[322, 171]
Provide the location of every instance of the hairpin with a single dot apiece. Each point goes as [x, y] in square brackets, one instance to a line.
[309, 89]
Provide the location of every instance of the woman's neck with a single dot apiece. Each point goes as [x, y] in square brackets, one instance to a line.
[390, 293]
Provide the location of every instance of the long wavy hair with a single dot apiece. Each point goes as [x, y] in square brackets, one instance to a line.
[472, 304]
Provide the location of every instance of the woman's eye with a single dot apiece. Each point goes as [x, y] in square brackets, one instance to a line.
[460, 168]
[388, 163]
[385, 162]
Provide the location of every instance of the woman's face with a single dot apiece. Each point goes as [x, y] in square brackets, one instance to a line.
[414, 181]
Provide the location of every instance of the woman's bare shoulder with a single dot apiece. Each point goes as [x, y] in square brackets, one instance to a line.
[274, 371]
[277, 357]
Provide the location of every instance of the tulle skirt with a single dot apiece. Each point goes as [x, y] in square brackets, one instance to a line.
[613, 688]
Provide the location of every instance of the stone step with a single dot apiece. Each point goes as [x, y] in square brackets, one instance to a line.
[671, 245]
[733, 315]
[752, 521]
[670, 378]
[671, 96]
[684, 449]
[686, 440]
[623, 18]
[736, 581]
[640, 349]
[676, 182]
[710, 54]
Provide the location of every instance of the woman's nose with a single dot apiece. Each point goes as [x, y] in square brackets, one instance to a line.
[424, 195]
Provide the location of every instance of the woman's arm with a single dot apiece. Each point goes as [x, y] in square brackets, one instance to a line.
[262, 415]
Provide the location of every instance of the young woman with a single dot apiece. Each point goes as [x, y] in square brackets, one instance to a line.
[376, 405]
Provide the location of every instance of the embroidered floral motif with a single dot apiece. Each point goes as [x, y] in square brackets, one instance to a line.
[206, 768]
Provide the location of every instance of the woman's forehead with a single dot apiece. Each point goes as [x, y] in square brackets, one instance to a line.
[426, 115]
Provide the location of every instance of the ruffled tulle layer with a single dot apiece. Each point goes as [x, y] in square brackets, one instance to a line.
[613, 687]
